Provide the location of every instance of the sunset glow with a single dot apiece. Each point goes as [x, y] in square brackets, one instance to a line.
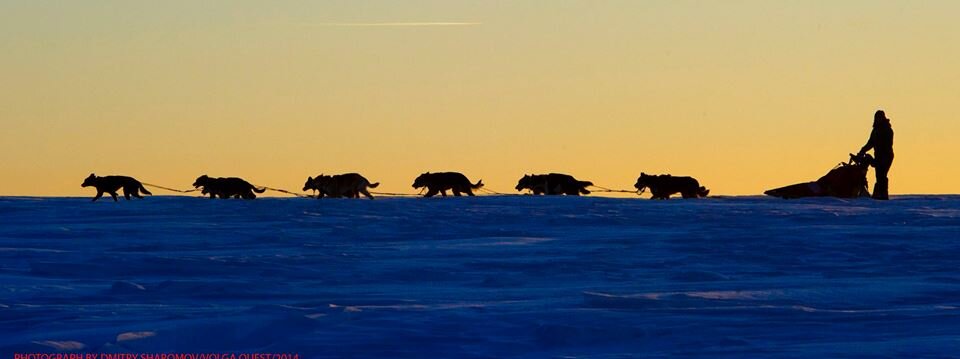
[743, 95]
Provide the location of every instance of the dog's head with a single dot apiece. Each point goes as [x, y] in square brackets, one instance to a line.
[643, 182]
[525, 183]
[422, 180]
[201, 181]
[311, 184]
[90, 181]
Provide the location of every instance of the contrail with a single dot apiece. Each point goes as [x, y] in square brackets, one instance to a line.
[395, 24]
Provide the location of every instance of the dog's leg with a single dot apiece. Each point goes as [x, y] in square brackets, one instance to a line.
[365, 193]
[99, 194]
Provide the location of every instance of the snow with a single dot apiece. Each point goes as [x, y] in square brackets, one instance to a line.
[496, 276]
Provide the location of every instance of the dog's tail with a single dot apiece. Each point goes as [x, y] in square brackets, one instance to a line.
[144, 190]
[373, 185]
[259, 190]
[703, 191]
[583, 186]
[478, 185]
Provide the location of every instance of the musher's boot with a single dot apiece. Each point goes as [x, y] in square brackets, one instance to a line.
[880, 190]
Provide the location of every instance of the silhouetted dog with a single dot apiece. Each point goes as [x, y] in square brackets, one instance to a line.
[349, 185]
[553, 184]
[110, 184]
[226, 187]
[662, 186]
[442, 181]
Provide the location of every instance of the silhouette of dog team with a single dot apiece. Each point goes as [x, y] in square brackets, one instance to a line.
[442, 181]
[846, 180]
[349, 185]
[553, 184]
[662, 186]
[110, 184]
[226, 187]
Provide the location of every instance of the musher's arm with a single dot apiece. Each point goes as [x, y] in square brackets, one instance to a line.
[870, 143]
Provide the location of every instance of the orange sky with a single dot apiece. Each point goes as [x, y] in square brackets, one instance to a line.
[743, 95]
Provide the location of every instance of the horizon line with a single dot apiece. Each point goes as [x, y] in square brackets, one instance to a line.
[392, 24]
[412, 196]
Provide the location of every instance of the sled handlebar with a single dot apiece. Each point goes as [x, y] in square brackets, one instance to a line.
[861, 159]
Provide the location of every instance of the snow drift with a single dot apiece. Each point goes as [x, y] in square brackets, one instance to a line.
[482, 277]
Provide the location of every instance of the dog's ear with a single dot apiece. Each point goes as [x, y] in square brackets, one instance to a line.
[309, 178]
[92, 176]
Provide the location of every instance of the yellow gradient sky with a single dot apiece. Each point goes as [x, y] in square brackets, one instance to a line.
[743, 95]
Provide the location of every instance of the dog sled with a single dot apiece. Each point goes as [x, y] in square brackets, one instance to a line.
[846, 180]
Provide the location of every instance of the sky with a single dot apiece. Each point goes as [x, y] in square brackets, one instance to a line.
[743, 95]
